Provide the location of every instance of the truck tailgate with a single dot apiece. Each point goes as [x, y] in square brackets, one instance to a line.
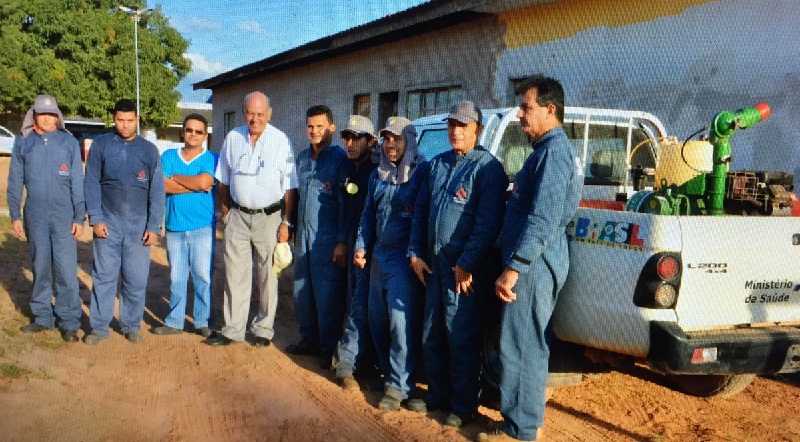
[739, 271]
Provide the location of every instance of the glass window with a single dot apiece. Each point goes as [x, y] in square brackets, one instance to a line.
[432, 142]
[424, 102]
[361, 105]
[229, 122]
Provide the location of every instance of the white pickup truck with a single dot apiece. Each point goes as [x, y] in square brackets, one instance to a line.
[710, 301]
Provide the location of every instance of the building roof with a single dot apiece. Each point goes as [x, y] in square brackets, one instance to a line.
[426, 17]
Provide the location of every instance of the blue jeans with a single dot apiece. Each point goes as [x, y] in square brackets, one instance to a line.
[190, 252]
[395, 300]
[452, 339]
[525, 337]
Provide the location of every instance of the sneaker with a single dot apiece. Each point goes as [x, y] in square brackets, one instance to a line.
[304, 348]
[93, 339]
[391, 400]
[134, 337]
[69, 335]
[417, 406]
[348, 383]
[166, 330]
[204, 332]
[454, 420]
[32, 328]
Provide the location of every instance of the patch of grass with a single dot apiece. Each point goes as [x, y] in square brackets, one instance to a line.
[51, 343]
[13, 371]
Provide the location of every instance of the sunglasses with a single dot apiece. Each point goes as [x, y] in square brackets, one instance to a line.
[194, 131]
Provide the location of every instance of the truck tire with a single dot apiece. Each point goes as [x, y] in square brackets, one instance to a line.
[712, 385]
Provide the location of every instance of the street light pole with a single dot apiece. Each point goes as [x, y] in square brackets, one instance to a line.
[136, 13]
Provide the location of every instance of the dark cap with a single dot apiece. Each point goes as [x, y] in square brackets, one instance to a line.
[359, 126]
[399, 126]
[466, 112]
[46, 104]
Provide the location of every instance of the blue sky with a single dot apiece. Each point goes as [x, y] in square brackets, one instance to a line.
[226, 34]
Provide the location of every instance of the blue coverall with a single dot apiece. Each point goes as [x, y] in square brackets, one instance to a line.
[355, 344]
[49, 166]
[460, 207]
[395, 296]
[319, 284]
[544, 199]
[124, 188]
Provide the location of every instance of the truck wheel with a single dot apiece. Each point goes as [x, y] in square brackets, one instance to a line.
[712, 385]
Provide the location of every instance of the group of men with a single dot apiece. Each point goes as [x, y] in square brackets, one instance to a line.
[393, 256]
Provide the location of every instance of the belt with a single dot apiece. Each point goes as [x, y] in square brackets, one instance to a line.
[269, 210]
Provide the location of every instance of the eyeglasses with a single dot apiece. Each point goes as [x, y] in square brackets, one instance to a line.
[247, 170]
[189, 131]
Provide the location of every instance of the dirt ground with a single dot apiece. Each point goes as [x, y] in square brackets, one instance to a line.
[174, 388]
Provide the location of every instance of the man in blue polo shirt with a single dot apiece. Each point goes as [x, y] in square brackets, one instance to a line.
[189, 180]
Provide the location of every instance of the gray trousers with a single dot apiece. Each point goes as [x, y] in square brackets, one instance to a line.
[244, 234]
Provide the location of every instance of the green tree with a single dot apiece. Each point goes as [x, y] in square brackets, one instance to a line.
[82, 53]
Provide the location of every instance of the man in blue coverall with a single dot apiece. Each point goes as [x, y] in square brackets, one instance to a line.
[355, 350]
[544, 199]
[125, 198]
[46, 160]
[395, 296]
[189, 222]
[321, 243]
[459, 206]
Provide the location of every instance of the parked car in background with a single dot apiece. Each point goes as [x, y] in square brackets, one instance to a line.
[6, 141]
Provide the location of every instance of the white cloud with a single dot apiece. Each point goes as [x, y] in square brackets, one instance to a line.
[202, 67]
[194, 24]
[251, 26]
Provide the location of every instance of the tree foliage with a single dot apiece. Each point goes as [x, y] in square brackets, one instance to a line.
[82, 53]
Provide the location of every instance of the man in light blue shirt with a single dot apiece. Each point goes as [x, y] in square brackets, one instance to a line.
[189, 180]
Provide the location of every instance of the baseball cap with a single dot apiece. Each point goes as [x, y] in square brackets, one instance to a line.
[46, 104]
[358, 126]
[399, 126]
[465, 112]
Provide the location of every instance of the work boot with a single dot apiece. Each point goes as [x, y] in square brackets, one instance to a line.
[204, 332]
[454, 420]
[93, 339]
[417, 406]
[501, 436]
[391, 400]
[134, 337]
[69, 335]
[32, 328]
[166, 330]
[347, 382]
[304, 348]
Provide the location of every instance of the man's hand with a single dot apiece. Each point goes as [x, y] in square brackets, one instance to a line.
[340, 254]
[149, 238]
[463, 280]
[360, 258]
[505, 283]
[420, 268]
[100, 230]
[18, 229]
[283, 233]
[77, 230]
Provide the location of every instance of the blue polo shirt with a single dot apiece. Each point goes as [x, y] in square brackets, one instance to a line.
[189, 211]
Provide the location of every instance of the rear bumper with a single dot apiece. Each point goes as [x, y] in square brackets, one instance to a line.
[756, 350]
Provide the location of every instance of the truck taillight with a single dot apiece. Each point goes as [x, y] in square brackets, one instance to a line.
[659, 282]
[668, 267]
